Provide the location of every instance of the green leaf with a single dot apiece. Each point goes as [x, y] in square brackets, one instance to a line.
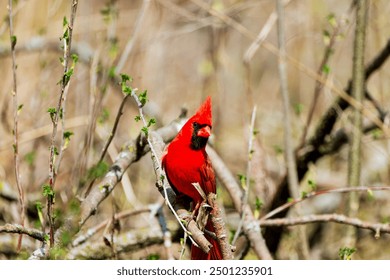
[20, 107]
[39, 207]
[68, 134]
[75, 58]
[145, 130]
[137, 118]
[104, 116]
[74, 206]
[326, 69]
[326, 37]
[251, 152]
[376, 133]
[64, 22]
[66, 238]
[370, 194]
[278, 149]
[153, 257]
[298, 108]
[55, 151]
[258, 205]
[66, 77]
[111, 72]
[143, 97]
[14, 40]
[346, 253]
[30, 158]
[312, 184]
[98, 170]
[125, 78]
[151, 122]
[242, 179]
[52, 110]
[332, 20]
[47, 238]
[65, 36]
[47, 191]
[125, 88]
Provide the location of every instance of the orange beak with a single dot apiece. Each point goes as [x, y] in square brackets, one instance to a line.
[204, 132]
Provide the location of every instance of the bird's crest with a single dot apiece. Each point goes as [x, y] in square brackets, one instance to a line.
[204, 113]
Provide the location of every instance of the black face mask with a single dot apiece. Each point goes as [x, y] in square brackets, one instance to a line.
[198, 142]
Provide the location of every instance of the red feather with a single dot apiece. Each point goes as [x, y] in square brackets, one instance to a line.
[185, 162]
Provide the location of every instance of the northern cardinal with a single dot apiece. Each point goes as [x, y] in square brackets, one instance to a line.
[186, 162]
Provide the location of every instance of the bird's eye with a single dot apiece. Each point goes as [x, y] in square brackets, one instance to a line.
[196, 124]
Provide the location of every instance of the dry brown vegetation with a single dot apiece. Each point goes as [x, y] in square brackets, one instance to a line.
[181, 51]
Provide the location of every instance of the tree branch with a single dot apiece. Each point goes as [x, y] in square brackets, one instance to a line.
[19, 229]
[16, 108]
[377, 228]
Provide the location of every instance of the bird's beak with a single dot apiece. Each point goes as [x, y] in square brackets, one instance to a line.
[204, 132]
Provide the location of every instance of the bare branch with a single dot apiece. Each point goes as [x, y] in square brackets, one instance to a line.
[19, 229]
[219, 227]
[110, 138]
[358, 91]
[129, 241]
[245, 197]
[377, 228]
[80, 239]
[16, 108]
[133, 37]
[316, 193]
[292, 176]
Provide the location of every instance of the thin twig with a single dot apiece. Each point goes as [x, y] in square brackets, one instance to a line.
[377, 228]
[94, 107]
[55, 116]
[245, 197]
[318, 85]
[119, 216]
[267, 27]
[110, 138]
[133, 37]
[16, 114]
[292, 176]
[317, 193]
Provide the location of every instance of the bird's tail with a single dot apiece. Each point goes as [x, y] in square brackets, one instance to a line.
[215, 252]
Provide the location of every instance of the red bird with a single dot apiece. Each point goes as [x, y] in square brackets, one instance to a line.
[185, 162]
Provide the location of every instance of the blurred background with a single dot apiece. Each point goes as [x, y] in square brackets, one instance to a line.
[180, 53]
